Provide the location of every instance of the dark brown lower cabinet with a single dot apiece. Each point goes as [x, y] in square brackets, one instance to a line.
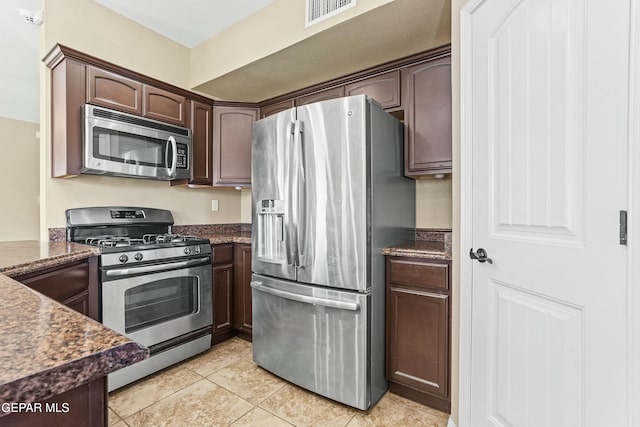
[418, 330]
[222, 293]
[85, 405]
[242, 289]
[74, 284]
[231, 291]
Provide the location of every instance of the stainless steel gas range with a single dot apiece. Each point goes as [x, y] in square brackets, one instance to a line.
[155, 286]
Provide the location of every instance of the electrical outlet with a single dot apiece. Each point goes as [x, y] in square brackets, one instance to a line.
[214, 206]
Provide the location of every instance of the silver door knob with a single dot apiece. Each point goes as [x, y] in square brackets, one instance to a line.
[480, 255]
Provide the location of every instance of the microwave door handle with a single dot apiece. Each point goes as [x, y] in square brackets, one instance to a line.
[174, 160]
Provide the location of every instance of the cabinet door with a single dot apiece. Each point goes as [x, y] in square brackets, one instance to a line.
[418, 339]
[323, 95]
[242, 288]
[418, 330]
[222, 298]
[269, 110]
[79, 303]
[202, 139]
[74, 285]
[232, 145]
[384, 89]
[428, 118]
[113, 91]
[163, 105]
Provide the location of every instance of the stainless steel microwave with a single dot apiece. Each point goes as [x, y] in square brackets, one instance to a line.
[121, 144]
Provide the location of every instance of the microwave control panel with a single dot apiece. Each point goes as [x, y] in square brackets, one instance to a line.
[183, 157]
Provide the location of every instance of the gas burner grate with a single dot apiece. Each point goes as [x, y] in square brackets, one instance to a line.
[113, 241]
[167, 238]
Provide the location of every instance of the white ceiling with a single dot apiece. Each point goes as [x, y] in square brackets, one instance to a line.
[188, 22]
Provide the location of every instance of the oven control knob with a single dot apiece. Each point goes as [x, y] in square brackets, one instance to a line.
[123, 258]
[187, 251]
[138, 256]
[198, 249]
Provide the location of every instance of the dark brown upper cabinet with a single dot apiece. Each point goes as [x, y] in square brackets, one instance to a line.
[68, 93]
[113, 91]
[121, 93]
[202, 142]
[278, 107]
[383, 88]
[232, 145]
[160, 104]
[78, 78]
[415, 89]
[323, 95]
[428, 118]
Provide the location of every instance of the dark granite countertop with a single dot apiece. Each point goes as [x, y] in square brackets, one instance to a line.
[218, 233]
[218, 238]
[45, 347]
[427, 244]
[21, 257]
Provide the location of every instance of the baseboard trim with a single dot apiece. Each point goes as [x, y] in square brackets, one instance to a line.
[451, 423]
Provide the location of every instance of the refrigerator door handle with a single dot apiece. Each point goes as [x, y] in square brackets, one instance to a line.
[342, 305]
[288, 196]
[298, 142]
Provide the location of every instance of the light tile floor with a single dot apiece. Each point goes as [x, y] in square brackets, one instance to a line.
[223, 387]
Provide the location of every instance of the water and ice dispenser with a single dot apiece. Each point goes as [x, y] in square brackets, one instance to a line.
[270, 230]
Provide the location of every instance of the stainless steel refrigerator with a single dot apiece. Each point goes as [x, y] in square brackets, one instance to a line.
[328, 195]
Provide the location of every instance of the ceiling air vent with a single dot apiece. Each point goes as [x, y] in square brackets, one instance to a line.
[318, 10]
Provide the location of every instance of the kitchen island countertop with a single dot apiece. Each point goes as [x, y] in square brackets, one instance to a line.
[46, 348]
[27, 256]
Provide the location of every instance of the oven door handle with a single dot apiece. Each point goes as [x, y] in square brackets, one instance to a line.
[158, 267]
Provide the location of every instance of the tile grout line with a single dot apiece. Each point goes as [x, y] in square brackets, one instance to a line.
[275, 415]
[254, 406]
[174, 392]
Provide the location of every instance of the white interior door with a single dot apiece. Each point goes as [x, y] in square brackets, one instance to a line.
[545, 102]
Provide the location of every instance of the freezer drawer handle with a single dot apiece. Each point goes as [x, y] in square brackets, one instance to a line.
[352, 306]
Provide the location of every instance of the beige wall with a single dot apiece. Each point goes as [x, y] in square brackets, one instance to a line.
[271, 29]
[245, 207]
[89, 27]
[19, 180]
[272, 53]
[433, 203]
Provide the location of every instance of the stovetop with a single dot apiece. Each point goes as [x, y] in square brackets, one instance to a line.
[130, 235]
[147, 241]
